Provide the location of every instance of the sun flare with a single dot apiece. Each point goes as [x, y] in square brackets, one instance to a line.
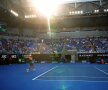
[46, 7]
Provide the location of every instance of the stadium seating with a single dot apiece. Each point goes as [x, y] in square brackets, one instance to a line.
[24, 46]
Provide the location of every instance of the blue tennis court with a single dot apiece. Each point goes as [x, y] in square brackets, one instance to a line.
[54, 77]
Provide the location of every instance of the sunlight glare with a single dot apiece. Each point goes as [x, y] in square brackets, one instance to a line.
[46, 7]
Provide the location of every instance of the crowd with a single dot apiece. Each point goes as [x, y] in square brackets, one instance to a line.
[16, 46]
[24, 46]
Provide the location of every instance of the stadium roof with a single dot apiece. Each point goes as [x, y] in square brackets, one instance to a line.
[94, 13]
[77, 0]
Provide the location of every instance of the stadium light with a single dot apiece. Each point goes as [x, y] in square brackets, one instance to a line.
[14, 13]
[105, 10]
[30, 16]
[96, 11]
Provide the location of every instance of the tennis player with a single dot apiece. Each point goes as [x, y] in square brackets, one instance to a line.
[31, 64]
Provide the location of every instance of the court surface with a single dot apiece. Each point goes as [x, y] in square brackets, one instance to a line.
[54, 77]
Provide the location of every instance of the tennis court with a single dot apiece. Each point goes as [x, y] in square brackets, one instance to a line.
[54, 77]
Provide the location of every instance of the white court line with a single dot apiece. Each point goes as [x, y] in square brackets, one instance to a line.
[44, 72]
[101, 70]
[75, 81]
[74, 76]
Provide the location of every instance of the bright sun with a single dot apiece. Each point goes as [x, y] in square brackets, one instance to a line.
[46, 7]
